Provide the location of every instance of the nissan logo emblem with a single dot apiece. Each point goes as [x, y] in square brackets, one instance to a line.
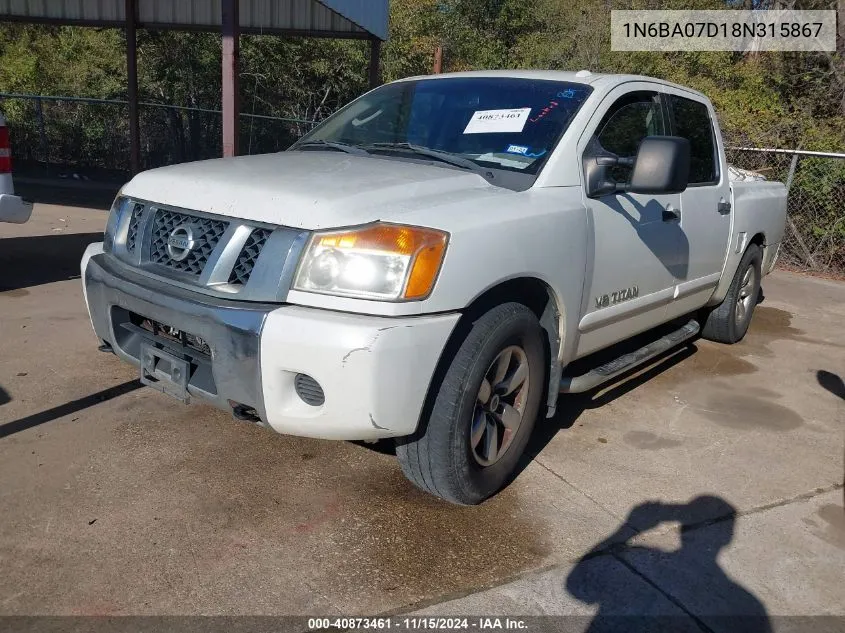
[180, 243]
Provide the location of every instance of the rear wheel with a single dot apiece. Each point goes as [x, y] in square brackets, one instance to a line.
[729, 321]
[483, 412]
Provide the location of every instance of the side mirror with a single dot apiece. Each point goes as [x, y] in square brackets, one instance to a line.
[661, 166]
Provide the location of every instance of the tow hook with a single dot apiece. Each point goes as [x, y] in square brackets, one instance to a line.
[244, 413]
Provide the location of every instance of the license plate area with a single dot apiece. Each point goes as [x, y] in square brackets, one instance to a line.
[165, 372]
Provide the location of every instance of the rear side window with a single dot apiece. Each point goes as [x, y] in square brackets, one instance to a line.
[692, 121]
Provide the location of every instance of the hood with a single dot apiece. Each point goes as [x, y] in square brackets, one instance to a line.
[309, 189]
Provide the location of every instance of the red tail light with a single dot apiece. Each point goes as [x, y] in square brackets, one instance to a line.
[5, 151]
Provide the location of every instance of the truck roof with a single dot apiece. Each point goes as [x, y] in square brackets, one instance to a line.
[603, 80]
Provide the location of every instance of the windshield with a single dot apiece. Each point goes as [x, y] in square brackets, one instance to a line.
[499, 123]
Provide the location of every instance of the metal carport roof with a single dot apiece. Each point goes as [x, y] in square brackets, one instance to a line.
[327, 18]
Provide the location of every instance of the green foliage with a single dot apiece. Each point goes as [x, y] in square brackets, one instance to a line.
[764, 99]
[61, 59]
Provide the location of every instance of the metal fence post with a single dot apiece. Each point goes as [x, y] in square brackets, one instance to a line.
[791, 175]
[808, 256]
[42, 135]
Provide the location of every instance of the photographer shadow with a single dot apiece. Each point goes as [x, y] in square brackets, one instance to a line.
[701, 594]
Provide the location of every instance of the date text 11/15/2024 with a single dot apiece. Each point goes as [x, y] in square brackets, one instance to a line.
[422, 623]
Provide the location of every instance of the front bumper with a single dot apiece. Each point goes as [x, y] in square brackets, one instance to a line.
[14, 209]
[374, 371]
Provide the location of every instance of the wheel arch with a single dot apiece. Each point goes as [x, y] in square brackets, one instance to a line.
[759, 239]
[732, 261]
[537, 295]
[723, 323]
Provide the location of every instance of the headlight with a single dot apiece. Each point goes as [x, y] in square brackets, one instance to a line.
[116, 211]
[381, 261]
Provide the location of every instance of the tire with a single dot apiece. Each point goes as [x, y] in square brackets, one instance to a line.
[729, 321]
[441, 458]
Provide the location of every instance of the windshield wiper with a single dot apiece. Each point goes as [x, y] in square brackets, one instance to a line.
[445, 157]
[343, 147]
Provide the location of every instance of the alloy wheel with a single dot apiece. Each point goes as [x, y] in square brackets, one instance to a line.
[500, 405]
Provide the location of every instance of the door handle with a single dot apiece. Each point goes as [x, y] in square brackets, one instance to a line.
[671, 214]
[724, 207]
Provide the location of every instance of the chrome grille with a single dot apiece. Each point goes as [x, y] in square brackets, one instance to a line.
[211, 254]
[134, 226]
[206, 233]
[248, 256]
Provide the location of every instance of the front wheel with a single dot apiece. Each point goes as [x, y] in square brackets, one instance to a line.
[729, 321]
[483, 412]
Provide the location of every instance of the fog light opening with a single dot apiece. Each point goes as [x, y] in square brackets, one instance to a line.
[309, 390]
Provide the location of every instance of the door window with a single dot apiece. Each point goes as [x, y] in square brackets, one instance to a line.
[692, 121]
[628, 121]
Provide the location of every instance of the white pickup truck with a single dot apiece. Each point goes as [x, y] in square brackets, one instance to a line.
[429, 262]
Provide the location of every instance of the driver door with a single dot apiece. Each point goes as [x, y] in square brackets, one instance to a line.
[634, 238]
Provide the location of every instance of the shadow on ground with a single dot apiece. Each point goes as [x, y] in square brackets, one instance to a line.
[570, 407]
[68, 195]
[689, 578]
[831, 382]
[30, 421]
[42, 259]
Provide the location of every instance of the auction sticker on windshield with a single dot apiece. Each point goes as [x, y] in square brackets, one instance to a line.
[497, 121]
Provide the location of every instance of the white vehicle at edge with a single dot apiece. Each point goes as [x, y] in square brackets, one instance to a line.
[429, 263]
[13, 208]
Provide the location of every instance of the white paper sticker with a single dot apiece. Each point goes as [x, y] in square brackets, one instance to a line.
[492, 121]
[515, 162]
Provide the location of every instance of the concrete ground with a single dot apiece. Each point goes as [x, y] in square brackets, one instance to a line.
[118, 500]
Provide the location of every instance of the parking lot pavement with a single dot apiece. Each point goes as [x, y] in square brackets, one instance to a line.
[118, 500]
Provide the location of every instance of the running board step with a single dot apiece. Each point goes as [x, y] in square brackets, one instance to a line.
[611, 369]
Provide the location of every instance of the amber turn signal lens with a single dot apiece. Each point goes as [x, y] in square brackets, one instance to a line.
[424, 269]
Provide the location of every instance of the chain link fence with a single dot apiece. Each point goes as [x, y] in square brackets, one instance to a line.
[88, 139]
[57, 136]
[814, 240]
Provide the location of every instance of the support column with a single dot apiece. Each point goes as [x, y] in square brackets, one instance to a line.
[231, 93]
[375, 63]
[132, 86]
[438, 60]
